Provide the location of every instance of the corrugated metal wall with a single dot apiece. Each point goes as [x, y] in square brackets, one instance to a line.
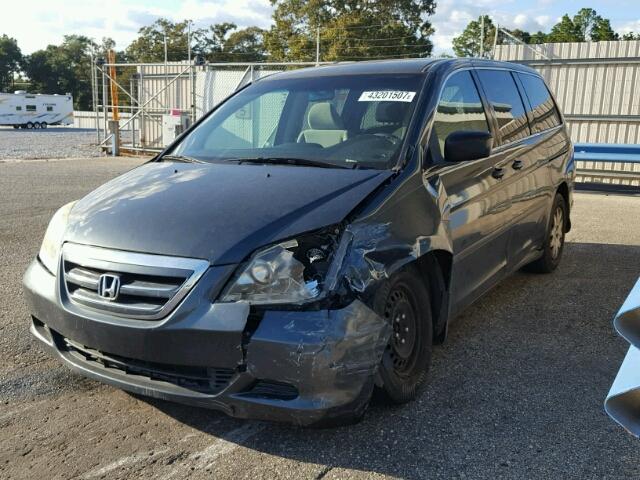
[595, 83]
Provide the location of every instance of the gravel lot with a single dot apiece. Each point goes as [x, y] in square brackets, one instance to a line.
[39, 144]
[516, 392]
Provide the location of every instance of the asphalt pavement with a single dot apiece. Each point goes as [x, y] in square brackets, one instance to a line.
[515, 392]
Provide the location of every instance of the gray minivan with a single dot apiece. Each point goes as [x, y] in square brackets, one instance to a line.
[310, 239]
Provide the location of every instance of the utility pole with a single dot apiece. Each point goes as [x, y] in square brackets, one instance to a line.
[481, 36]
[317, 46]
[166, 75]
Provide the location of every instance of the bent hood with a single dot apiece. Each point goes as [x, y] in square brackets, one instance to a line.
[218, 212]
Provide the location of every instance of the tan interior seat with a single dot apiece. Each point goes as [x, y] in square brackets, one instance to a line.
[325, 126]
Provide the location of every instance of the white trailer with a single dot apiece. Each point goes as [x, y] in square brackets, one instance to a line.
[29, 110]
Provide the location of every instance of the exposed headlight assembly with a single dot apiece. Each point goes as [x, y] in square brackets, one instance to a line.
[291, 272]
[51, 244]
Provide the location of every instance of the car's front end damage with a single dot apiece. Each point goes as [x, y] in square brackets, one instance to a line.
[290, 365]
[285, 334]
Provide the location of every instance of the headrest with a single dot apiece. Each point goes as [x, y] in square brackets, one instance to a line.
[323, 116]
[391, 112]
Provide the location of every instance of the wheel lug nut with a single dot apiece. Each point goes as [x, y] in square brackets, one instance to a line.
[404, 316]
[397, 335]
[402, 341]
[406, 329]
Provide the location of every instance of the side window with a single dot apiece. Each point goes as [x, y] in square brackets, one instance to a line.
[507, 104]
[49, 109]
[18, 108]
[459, 109]
[543, 108]
[31, 108]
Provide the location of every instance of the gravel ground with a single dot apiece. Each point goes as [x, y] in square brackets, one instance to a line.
[54, 142]
[516, 392]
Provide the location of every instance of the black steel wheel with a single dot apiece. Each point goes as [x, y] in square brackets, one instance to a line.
[29, 126]
[404, 302]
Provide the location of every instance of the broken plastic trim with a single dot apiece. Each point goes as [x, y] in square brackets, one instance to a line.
[623, 401]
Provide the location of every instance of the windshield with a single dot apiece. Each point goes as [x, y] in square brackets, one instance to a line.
[355, 121]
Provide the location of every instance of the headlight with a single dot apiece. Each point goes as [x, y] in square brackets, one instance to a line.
[289, 272]
[50, 249]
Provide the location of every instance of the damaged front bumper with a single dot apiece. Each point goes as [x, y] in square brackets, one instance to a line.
[304, 367]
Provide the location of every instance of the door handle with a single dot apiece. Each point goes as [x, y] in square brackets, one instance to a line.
[517, 165]
[498, 173]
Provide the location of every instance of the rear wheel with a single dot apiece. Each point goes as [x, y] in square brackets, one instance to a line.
[554, 239]
[29, 126]
[43, 125]
[404, 302]
[36, 125]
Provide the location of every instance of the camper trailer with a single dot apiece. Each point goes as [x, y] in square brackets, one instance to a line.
[28, 110]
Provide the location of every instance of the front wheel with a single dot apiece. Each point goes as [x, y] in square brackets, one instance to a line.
[554, 239]
[404, 302]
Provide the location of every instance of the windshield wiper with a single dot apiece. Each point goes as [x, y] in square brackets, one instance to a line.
[181, 158]
[302, 162]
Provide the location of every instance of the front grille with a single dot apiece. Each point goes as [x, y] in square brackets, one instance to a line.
[200, 379]
[149, 286]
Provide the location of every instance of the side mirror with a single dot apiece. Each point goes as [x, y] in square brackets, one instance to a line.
[463, 146]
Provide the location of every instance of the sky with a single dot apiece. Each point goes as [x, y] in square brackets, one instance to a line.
[45, 22]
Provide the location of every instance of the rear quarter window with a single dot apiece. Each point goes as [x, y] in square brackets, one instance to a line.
[544, 111]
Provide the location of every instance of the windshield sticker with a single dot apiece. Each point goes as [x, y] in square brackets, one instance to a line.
[387, 96]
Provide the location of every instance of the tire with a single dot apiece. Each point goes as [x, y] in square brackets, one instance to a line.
[554, 238]
[43, 125]
[405, 303]
[36, 125]
[29, 126]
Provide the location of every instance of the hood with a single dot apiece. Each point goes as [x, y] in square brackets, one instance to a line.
[218, 212]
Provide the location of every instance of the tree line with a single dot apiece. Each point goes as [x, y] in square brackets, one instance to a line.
[584, 26]
[344, 29]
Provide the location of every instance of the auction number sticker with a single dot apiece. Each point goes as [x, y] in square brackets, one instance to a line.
[387, 96]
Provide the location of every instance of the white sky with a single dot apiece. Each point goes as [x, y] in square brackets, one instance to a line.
[39, 22]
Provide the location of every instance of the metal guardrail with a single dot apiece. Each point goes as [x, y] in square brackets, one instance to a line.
[608, 165]
[623, 401]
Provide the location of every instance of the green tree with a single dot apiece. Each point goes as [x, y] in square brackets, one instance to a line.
[246, 45]
[585, 26]
[565, 31]
[64, 68]
[467, 44]
[10, 60]
[593, 27]
[631, 36]
[149, 46]
[349, 29]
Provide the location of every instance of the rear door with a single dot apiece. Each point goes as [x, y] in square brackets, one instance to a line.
[475, 190]
[549, 142]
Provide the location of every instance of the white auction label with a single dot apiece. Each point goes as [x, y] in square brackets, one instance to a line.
[387, 96]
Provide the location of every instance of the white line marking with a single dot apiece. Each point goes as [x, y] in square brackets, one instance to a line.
[124, 461]
[225, 444]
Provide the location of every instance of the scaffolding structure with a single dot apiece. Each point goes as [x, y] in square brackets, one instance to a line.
[146, 92]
